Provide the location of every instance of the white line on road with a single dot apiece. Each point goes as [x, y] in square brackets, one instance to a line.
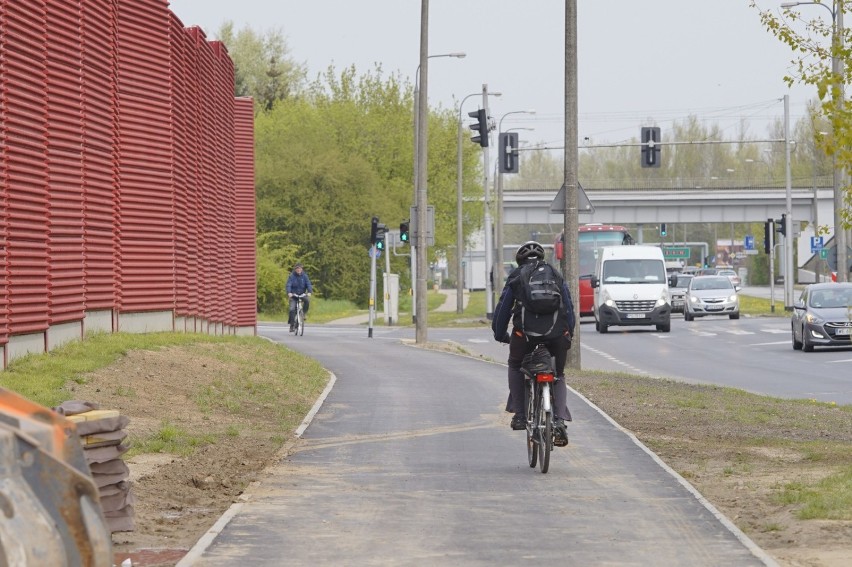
[769, 344]
[836, 361]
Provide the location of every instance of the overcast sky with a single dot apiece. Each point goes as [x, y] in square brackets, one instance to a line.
[640, 62]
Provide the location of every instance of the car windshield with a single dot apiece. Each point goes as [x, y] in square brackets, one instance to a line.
[683, 281]
[831, 298]
[634, 271]
[711, 283]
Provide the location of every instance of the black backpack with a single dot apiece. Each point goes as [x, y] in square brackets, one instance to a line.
[538, 289]
[541, 288]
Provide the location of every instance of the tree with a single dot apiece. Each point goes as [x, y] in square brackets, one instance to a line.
[339, 154]
[814, 51]
[262, 66]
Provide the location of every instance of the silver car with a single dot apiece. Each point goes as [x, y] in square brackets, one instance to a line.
[677, 293]
[711, 295]
[732, 275]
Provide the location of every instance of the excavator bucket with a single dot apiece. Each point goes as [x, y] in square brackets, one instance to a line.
[51, 513]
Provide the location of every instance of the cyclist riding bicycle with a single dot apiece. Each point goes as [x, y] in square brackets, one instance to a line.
[527, 332]
[297, 284]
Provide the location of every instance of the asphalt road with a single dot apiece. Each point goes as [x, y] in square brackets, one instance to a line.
[409, 460]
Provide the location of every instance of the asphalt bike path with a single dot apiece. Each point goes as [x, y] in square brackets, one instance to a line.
[409, 460]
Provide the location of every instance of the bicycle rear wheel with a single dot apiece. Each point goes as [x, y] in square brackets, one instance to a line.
[545, 438]
[529, 399]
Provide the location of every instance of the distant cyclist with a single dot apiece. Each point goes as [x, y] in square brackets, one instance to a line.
[297, 284]
[538, 303]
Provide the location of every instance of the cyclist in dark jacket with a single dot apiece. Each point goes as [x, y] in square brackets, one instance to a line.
[297, 284]
[520, 344]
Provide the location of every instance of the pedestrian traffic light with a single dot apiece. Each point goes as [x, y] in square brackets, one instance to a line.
[650, 137]
[508, 155]
[381, 230]
[768, 235]
[663, 231]
[403, 232]
[781, 225]
[481, 127]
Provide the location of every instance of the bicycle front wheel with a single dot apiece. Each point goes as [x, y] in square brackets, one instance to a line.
[529, 399]
[545, 439]
[300, 317]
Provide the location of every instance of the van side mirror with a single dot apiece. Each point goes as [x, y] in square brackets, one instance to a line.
[673, 280]
[595, 281]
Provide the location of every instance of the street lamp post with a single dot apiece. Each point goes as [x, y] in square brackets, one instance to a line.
[837, 70]
[414, 245]
[459, 215]
[498, 232]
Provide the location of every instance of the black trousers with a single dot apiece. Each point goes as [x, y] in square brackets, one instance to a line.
[519, 347]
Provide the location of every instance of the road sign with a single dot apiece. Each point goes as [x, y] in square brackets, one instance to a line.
[677, 253]
[749, 242]
[816, 243]
[823, 253]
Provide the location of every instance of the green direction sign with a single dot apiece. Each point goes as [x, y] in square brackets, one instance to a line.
[676, 253]
[823, 253]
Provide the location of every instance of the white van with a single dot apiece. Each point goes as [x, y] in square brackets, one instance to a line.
[632, 288]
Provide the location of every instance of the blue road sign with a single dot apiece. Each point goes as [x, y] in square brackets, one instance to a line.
[749, 242]
[816, 243]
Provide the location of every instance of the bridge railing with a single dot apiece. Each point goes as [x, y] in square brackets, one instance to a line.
[678, 183]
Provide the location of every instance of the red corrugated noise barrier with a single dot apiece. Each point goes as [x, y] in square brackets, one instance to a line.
[127, 168]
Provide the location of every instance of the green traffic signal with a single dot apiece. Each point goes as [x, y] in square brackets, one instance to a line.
[403, 232]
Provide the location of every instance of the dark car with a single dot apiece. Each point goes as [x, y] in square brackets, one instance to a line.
[822, 316]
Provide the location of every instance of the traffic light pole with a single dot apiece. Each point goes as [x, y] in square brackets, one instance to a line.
[788, 219]
[489, 260]
[372, 312]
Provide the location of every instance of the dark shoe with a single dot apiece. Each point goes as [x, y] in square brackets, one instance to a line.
[560, 433]
[292, 328]
[519, 422]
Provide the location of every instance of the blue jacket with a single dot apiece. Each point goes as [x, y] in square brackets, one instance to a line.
[299, 284]
[506, 309]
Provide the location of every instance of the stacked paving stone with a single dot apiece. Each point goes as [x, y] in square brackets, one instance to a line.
[102, 432]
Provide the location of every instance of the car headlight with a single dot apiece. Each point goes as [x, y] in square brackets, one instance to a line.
[609, 302]
[811, 318]
[733, 298]
[662, 301]
[693, 299]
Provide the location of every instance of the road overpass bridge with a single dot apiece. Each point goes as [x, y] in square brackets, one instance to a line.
[674, 205]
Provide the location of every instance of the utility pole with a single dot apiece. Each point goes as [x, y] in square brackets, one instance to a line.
[571, 247]
[420, 311]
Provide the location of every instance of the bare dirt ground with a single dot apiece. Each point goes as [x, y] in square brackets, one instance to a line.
[179, 498]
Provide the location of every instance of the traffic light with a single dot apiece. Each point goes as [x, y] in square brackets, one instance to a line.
[781, 225]
[663, 231]
[380, 236]
[768, 235]
[377, 234]
[508, 155]
[403, 232]
[650, 138]
[481, 127]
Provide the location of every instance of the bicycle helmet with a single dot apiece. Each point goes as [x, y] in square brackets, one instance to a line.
[531, 250]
